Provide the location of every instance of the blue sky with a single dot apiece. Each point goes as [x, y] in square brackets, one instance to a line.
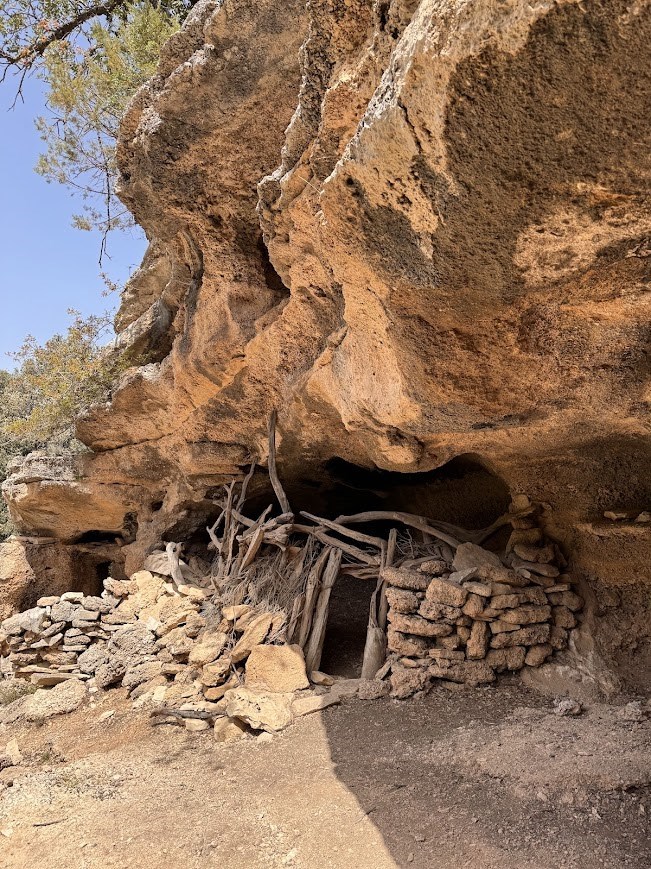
[46, 266]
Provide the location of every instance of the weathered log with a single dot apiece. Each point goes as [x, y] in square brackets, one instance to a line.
[260, 521]
[311, 595]
[347, 532]
[212, 532]
[354, 551]
[173, 551]
[409, 519]
[245, 486]
[360, 571]
[252, 551]
[391, 548]
[317, 634]
[375, 646]
[297, 609]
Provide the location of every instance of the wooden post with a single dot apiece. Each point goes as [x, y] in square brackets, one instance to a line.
[317, 635]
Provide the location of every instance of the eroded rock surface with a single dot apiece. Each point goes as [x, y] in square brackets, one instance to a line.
[419, 230]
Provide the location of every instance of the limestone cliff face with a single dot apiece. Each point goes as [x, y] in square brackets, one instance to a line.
[419, 230]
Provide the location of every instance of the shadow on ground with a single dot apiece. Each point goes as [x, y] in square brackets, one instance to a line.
[489, 778]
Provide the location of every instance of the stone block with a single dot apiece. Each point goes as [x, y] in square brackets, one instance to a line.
[446, 592]
[506, 659]
[477, 644]
[526, 615]
[399, 577]
[278, 669]
[402, 601]
[530, 635]
[418, 626]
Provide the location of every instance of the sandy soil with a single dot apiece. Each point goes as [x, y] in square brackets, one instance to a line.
[475, 779]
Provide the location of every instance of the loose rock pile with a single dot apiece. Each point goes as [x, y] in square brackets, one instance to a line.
[144, 634]
[472, 615]
[197, 663]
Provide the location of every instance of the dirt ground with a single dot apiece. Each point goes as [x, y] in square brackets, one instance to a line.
[481, 779]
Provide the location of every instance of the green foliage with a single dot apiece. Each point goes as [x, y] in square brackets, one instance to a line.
[89, 89]
[93, 55]
[52, 384]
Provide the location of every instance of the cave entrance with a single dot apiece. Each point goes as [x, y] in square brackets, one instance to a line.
[464, 492]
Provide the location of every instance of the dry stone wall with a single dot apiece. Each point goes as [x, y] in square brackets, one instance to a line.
[472, 615]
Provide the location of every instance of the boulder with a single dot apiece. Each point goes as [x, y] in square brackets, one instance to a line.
[470, 556]
[405, 681]
[260, 710]
[62, 698]
[216, 692]
[131, 644]
[110, 673]
[30, 620]
[215, 673]
[254, 634]
[278, 669]
[229, 729]
[139, 673]
[93, 658]
[208, 649]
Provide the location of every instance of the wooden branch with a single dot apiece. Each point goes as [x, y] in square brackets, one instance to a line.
[297, 609]
[273, 473]
[391, 548]
[311, 594]
[346, 532]
[245, 486]
[214, 540]
[317, 634]
[27, 55]
[348, 548]
[261, 520]
[375, 646]
[252, 551]
[360, 571]
[409, 519]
